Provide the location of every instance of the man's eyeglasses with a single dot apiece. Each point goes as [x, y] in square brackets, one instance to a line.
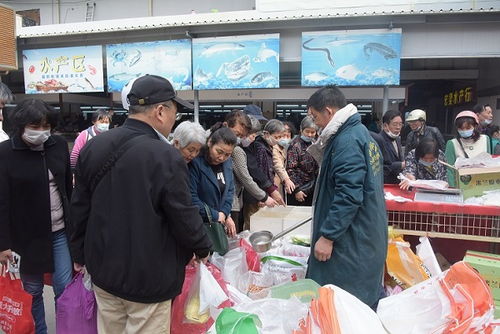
[178, 115]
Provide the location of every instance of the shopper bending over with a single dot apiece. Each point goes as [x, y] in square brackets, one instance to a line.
[422, 163]
[211, 179]
[189, 138]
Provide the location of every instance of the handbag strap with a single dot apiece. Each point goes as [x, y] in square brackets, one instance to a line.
[113, 158]
[462, 147]
[209, 214]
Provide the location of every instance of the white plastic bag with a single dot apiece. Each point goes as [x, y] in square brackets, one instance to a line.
[353, 315]
[284, 268]
[211, 294]
[233, 266]
[277, 316]
[426, 254]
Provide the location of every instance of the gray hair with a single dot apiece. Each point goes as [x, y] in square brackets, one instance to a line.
[256, 126]
[308, 122]
[274, 126]
[6, 93]
[190, 132]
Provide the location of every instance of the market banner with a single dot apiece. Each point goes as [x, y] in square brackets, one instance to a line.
[233, 62]
[351, 58]
[169, 59]
[63, 70]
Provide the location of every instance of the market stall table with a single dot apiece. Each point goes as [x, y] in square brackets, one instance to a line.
[454, 228]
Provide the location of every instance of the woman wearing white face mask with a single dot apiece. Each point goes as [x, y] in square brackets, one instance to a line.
[468, 143]
[422, 163]
[301, 166]
[35, 189]
[101, 120]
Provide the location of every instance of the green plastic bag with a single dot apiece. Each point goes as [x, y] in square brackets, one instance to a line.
[231, 322]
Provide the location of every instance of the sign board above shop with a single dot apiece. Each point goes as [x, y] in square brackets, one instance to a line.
[459, 96]
[236, 62]
[351, 57]
[169, 59]
[63, 70]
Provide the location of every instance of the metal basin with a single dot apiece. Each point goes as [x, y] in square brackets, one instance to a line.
[261, 241]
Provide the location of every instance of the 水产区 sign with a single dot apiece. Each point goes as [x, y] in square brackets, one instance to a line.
[63, 70]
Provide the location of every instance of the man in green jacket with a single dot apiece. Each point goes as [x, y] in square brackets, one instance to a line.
[349, 241]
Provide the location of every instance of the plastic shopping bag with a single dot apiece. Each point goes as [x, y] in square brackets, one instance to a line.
[76, 311]
[233, 266]
[15, 307]
[203, 288]
[252, 257]
[426, 254]
[232, 322]
[455, 302]
[337, 311]
[277, 316]
[403, 265]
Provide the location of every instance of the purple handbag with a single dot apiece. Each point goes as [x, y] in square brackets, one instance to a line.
[76, 309]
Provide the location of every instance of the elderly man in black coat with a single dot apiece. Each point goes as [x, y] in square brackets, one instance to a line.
[135, 227]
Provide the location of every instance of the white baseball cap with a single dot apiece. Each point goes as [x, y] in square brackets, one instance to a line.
[125, 91]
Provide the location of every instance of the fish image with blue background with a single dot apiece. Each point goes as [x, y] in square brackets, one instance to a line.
[169, 59]
[368, 57]
[236, 62]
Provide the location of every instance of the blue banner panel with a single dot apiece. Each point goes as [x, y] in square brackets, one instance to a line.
[351, 58]
[168, 59]
[234, 62]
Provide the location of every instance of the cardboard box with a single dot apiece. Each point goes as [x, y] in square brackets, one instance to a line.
[474, 181]
[488, 266]
[277, 219]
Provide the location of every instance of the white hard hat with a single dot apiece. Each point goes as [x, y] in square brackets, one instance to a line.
[125, 91]
[416, 115]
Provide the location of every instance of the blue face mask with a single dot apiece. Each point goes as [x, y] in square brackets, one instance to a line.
[306, 139]
[425, 163]
[466, 133]
[284, 142]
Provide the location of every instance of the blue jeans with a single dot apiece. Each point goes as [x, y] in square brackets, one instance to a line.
[33, 283]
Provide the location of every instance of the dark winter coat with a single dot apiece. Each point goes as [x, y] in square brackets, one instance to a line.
[350, 211]
[205, 187]
[25, 211]
[138, 229]
[393, 161]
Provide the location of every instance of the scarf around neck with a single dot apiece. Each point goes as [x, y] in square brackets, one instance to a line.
[317, 149]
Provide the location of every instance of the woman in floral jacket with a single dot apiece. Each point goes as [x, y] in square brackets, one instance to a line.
[301, 166]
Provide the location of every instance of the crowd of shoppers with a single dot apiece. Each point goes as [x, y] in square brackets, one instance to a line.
[137, 210]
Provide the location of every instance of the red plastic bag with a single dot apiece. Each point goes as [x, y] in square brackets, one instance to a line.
[15, 307]
[253, 259]
[178, 323]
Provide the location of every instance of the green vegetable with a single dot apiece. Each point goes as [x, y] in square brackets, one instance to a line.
[301, 241]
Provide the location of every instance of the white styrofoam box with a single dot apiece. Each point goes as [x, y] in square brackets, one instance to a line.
[277, 219]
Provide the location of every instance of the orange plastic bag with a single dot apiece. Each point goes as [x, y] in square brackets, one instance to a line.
[456, 302]
[15, 307]
[402, 265]
[323, 314]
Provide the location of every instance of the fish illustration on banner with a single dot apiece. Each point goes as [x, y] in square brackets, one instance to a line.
[169, 59]
[63, 70]
[234, 62]
[368, 57]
